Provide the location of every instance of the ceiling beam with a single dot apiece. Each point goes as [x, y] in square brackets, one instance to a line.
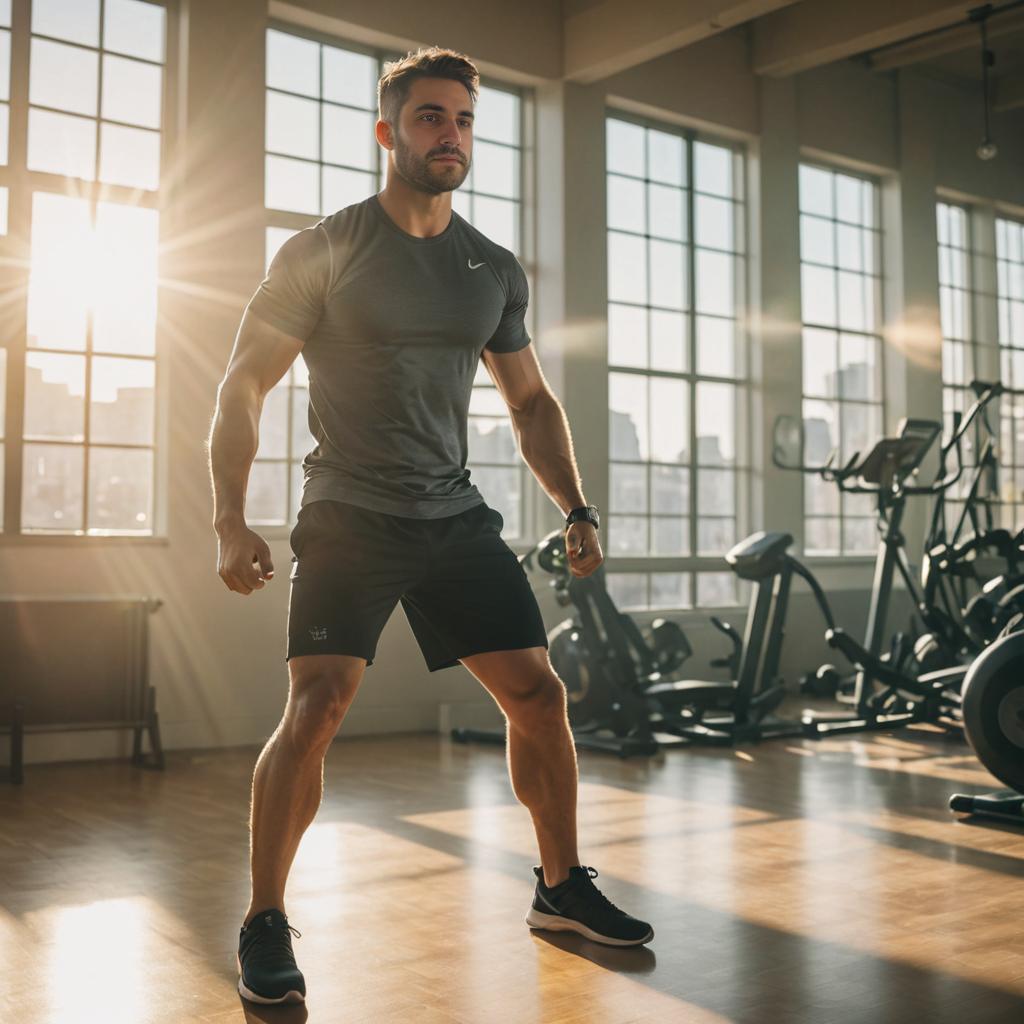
[953, 41]
[614, 35]
[1008, 91]
[816, 33]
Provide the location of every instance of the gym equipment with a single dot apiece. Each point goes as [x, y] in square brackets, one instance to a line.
[605, 661]
[887, 689]
[740, 709]
[993, 716]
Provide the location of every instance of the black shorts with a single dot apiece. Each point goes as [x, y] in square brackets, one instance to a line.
[462, 587]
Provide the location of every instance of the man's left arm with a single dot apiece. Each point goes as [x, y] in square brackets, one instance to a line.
[545, 442]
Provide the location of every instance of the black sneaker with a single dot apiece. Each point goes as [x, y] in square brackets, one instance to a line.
[266, 963]
[577, 905]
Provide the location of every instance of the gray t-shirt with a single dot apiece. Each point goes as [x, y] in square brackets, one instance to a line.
[394, 326]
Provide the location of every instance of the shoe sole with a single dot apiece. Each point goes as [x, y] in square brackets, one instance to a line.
[537, 919]
[292, 996]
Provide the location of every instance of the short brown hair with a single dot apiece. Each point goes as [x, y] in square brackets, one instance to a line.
[426, 62]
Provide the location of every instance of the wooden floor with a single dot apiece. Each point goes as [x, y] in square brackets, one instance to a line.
[794, 881]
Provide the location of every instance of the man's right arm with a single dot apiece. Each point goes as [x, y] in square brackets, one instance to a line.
[260, 358]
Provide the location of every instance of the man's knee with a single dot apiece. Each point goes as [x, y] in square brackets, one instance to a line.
[322, 690]
[542, 698]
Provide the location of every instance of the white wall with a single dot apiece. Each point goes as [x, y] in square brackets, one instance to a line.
[217, 657]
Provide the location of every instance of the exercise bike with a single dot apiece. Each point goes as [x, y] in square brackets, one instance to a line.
[993, 716]
[606, 661]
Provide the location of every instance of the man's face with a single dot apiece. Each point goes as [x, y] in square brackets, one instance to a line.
[436, 121]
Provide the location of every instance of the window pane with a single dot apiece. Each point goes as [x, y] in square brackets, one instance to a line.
[58, 292]
[670, 489]
[292, 185]
[54, 397]
[497, 115]
[343, 188]
[817, 240]
[628, 488]
[293, 64]
[860, 428]
[273, 426]
[666, 276]
[853, 308]
[849, 247]
[5, 12]
[625, 144]
[859, 536]
[628, 535]
[821, 536]
[818, 295]
[821, 498]
[627, 401]
[669, 535]
[5, 65]
[716, 346]
[130, 156]
[821, 431]
[848, 199]
[668, 341]
[627, 268]
[134, 28]
[716, 589]
[628, 590]
[716, 424]
[349, 78]
[666, 212]
[665, 161]
[716, 491]
[132, 91]
[292, 125]
[820, 359]
[498, 219]
[3, 210]
[120, 491]
[65, 77]
[303, 441]
[712, 169]
[670, 590]
[266, 495]
[857, 367]
[61, 144]
[714, 272]
[626, 204]
[497, 169]
[714, 223]
[124, 285]
[75, 20]
[52, 480]
[121, 409]
[815, 191]
[5, 130]
[627, 336]
[670, 426]
[348, 137]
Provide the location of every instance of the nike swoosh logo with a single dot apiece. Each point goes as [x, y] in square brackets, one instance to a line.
[475, 266]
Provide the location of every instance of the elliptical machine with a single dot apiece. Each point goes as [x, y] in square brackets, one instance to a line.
[887, 690]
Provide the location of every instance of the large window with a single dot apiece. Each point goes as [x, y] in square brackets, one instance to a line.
[840, 280]
[92, 131]
[676, 355]
[322, 156]
[1010, 297]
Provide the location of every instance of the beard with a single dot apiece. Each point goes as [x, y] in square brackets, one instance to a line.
[425, 174]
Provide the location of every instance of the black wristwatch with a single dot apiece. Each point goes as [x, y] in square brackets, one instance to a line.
[585, 513]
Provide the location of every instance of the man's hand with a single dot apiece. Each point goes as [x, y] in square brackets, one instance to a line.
[583, 548]
[243, 559]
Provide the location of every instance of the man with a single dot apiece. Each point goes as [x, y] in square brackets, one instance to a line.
[393, 301]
